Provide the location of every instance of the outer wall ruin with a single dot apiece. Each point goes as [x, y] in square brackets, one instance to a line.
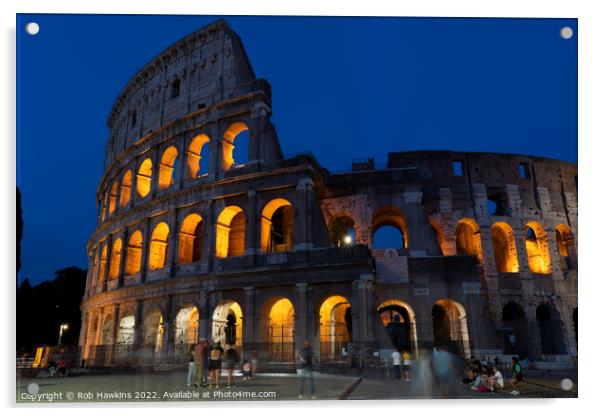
[190, 244]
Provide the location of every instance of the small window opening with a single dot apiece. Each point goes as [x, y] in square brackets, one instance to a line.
[134, 118]
[458, 168]
[175, 88]
[523, 170]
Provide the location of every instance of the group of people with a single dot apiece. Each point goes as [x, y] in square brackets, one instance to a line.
[398, 358]
[489, 377]
[57, 367]
[206, 360]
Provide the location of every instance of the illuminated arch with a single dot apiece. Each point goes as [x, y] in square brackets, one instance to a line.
[281, 329]
[102, 266]
[166, 167]
[187, 328]
[342, 230]
[106, 334]
[336, 327]
[191, 239]
[126, 189]
[439, 235]
[504, 248]
[158, 246]
[228, 143]
[95, 266]
[143, 178]
[450, 328]
[565, 240]
[113, 197]
[227, 323]
[152, 330]
[134, 253]
[230, 232]
[125, 338]
[194, 159]
[538, 251]
[392, 217]
[468, 239]
[400, 320]
[277, 226]
[115, 259]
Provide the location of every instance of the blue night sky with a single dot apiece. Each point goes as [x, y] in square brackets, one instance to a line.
[342, 88]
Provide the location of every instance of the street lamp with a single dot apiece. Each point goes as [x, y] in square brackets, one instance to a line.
[347, 239]
[62, 328]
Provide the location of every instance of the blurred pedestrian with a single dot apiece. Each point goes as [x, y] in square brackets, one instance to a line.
[215, 364]
[199, 361]
[517, 376]
[407, 362]
[191, 366]
[231, 357]
[396, 360]
[247, 370]
[306, 364]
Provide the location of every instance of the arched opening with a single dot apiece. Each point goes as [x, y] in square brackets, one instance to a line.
[227, 324]
[550, 330]
[438, 230]
[126, 189]
[143, 178]
[566, 247]
[106, 336]
[277, 226]
[234, 131]
[125, 339]
[400, 322]
[336, 329]
[167, 171]
[113, 198]
[230, 232]
[115, 259]
[468, 239]
[514, 329]
[102, 269]
[389, 229]
[191, 239]
[104, 206]
[450, 328]
[134, 254]
[537, 248]
[342, 231]
[187, 329]
[281, 330]
[152, 331]
[504, 248]
[158, 247]
[198, 160]
[95, 266]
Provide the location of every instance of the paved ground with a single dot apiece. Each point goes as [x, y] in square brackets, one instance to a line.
[172, 386]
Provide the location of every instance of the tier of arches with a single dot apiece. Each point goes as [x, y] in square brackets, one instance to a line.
[163, 170]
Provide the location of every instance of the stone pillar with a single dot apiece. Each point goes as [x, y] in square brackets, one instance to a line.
[251, 246]
[146, 237]
[181, 163]
[209, 229]
[257, 143]
[214, 154]
[155, 157]
[133, 191]
[125, 235]
[172, 243]
[105, 278]
[301, 318]
[139, 324]
[204, 315]
[167, 343]
[83, 332]
[303, 223]
[99, 327]
[249, 333]
[116, 322]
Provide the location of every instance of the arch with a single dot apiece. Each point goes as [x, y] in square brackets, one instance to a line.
[566, 246]
[167, 168]
[228, 143]
[187, 328]
[191, 239]
[515, 331]
[392, 217]
[115, 259]
[125, 192]
[538, 251]
[438, 230]
[399, 319]
[504, 248]
[134, 254]
[143, 178]
[336, 328]
[104, 206]
[194, 160]
[106, 335]
[468, 239]
[152, 330]
[550, 330]
[277, 226]
[95, 266]
[125, 338]
[157, 252]
[227, 323]
[342, 230]
[102, 266]
[281, 330]
[113, 197]
[230, 232]
[450, 328]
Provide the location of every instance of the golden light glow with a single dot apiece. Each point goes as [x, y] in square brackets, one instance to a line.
[143, 179]
[152, 330]
[341, 227]
[113, 197]
[230, 232]
[564, 239]
[166, 167]
[191, 239]
[537, 248]
[333, 326]
[158, 247]
[281, 322]
[277, 237]
[115, 259]
[104, 207]
[220, 323]
[504, 248]
[187, 325]
[94, 269]
[391, 216]
[468, 239]
[126, 189]
[134, 254]
[228, 143]
[194, 155]
[103, 265]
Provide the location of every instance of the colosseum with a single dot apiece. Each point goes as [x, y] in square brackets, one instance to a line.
[265, 251]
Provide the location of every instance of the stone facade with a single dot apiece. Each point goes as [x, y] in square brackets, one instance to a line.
[270, 253]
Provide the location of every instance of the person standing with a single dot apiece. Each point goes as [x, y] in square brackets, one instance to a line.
[191, 365]
[517, 376]
[199, 361]
[407, 361]
[306, 361]
[396, 359]
[215, 364]
[231, 357]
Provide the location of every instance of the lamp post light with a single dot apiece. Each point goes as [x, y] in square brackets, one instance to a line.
[348, 239]
[62, 328]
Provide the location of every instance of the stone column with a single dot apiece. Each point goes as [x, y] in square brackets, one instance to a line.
[209, 229]
[139, 324]
[251, 234]
[146, 236]
[155, 157]
[204, 315]
[248, 337]
[259, 114]
[107, 269]
[301, 329]
[214, 151]
[83, 332]
[303, 223]
[172, 242]
[124, 245]
[181, 164]
[116, 322]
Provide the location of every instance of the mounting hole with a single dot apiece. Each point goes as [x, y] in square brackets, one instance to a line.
[32, 28]
[566, 32]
